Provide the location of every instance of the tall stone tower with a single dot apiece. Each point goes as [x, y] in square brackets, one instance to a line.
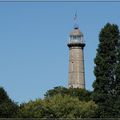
[76, 59]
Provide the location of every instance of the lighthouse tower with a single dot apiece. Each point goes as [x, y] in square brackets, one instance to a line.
[76, 59]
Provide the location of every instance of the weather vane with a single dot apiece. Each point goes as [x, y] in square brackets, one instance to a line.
[75, 20]
[75, 17]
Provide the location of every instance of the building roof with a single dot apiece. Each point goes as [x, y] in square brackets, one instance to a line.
[76, 32]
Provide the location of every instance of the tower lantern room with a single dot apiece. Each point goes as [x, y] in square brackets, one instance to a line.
[76, 37]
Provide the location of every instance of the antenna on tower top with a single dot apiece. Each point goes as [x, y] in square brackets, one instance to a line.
[75, 21]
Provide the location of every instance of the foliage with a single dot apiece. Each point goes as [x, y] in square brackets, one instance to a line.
[107, 71]
[3, 95]
[69, 107]
[32, 109]
[58, 106]
[7, 107]
[81, 94]
[56, 90]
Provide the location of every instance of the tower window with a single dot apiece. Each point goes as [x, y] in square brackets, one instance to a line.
[72, 66]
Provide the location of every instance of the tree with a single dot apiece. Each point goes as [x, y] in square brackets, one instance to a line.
[32, 109]
[58, 106]
[66, 106]
[117, 83]
[81, 94]
[7, 107]
[56, 90]
[3, 95]
[107, 71]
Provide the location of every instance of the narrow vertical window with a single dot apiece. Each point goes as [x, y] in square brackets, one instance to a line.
[72, 67]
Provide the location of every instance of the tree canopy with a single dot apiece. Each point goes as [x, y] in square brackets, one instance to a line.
[107, 70]
[81, 94]
[8, 108]
[58, 106]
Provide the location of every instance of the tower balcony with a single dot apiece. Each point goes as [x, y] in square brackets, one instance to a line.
[75, 43]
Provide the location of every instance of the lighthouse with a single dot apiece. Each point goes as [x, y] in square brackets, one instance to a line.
[76, 59]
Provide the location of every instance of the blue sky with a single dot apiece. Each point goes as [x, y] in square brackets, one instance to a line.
[33, 43]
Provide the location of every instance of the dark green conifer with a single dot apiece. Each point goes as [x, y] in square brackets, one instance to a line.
[107, 71]
[8, 108]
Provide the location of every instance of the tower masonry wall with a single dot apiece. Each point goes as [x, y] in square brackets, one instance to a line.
[76, 67]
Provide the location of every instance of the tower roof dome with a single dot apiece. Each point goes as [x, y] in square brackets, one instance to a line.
[76, 32]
